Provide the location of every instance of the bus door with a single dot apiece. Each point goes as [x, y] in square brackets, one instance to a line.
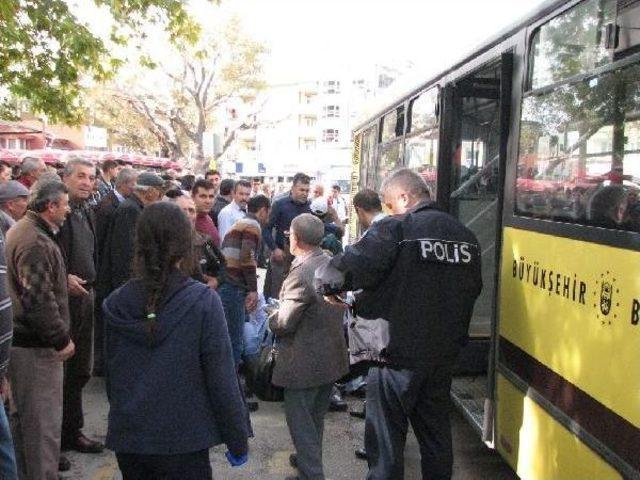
[477, 108]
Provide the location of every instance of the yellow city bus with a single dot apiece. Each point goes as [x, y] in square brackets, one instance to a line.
[533, 141]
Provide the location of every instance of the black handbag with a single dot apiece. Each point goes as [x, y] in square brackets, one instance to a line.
[261, 379]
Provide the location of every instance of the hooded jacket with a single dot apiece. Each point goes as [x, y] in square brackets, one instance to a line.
[174, 390]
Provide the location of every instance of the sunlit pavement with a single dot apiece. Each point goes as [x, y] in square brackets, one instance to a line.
[270, 449]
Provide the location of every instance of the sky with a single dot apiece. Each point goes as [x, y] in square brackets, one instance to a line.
[308, 39]
[311, 37]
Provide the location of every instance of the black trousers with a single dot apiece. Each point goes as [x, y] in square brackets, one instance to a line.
[98, 335]
[77, 370]
[186, 466]
[396, 397]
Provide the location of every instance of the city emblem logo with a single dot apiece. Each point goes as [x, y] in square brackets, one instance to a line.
[608, 294]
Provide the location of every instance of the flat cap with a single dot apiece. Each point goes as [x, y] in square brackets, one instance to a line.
[12, 189]
[147, 179]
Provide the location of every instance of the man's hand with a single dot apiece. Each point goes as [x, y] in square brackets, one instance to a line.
[278, 255]
[336, 300]
[251, 302]
[67, 352]
[212, 282]
[74, 283]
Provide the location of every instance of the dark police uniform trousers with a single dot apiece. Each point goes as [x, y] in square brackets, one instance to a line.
[396, 397]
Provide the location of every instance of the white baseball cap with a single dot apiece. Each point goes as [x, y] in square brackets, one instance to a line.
[319, 206]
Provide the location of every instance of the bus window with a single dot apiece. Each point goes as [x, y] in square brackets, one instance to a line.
[392, 125]
[367, 157]
[389, 158]
[421, 144]
[579, 158]
[424, 111]
[421, 154]
[571, 43]
[389, 126]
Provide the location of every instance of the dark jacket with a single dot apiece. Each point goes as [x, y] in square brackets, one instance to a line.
[310, 339]
[175, 391]
[283, 211]
[218, 205]
[421, 272]
[80, 254]
[38, 285]
[104, 216]
[120, 248]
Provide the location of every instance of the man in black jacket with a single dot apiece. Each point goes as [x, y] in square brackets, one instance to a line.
[149, 189]
[77, 240]
[420, 270]
[125, 183]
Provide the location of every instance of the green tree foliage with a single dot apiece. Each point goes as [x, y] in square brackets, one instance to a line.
[46, 52]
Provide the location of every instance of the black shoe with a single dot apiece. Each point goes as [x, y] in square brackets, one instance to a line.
[361, 453]
[355, 413]
[293, 460]
[64, 465]
[253, 406]
[82, 444]
[337, 403]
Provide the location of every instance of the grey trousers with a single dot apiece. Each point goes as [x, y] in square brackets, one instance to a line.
[305, 409]
[36, 384]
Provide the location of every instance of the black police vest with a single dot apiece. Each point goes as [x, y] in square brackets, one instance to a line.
[429, 294]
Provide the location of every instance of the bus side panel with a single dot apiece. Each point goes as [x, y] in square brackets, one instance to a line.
[539, 448]
[569, 331]
[573, 307]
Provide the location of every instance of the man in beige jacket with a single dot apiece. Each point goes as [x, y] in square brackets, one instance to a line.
[312, 352]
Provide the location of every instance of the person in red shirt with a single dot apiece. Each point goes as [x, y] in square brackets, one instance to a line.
[204, 194]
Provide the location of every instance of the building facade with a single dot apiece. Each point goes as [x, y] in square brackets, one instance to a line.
[301, 126]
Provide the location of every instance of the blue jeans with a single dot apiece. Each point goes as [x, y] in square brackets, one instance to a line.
[8, 470]
[233, 303]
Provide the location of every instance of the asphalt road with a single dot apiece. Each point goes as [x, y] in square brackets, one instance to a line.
[271, 447]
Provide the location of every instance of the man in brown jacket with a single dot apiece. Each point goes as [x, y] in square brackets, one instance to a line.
[41, 339]
[312, 353]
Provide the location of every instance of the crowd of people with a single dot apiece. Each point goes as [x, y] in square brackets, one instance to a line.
[152, 282]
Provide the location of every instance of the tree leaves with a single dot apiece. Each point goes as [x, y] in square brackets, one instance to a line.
[47, 53]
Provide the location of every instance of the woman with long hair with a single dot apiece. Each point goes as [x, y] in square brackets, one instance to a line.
[171, 379]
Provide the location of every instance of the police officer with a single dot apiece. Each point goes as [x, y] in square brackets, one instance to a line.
[420, 270]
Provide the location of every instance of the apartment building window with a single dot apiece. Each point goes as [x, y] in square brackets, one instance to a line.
[305, 98]
[332, 86]
[331, 111]
[306, 144]
[330, 135]
[307, 121]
